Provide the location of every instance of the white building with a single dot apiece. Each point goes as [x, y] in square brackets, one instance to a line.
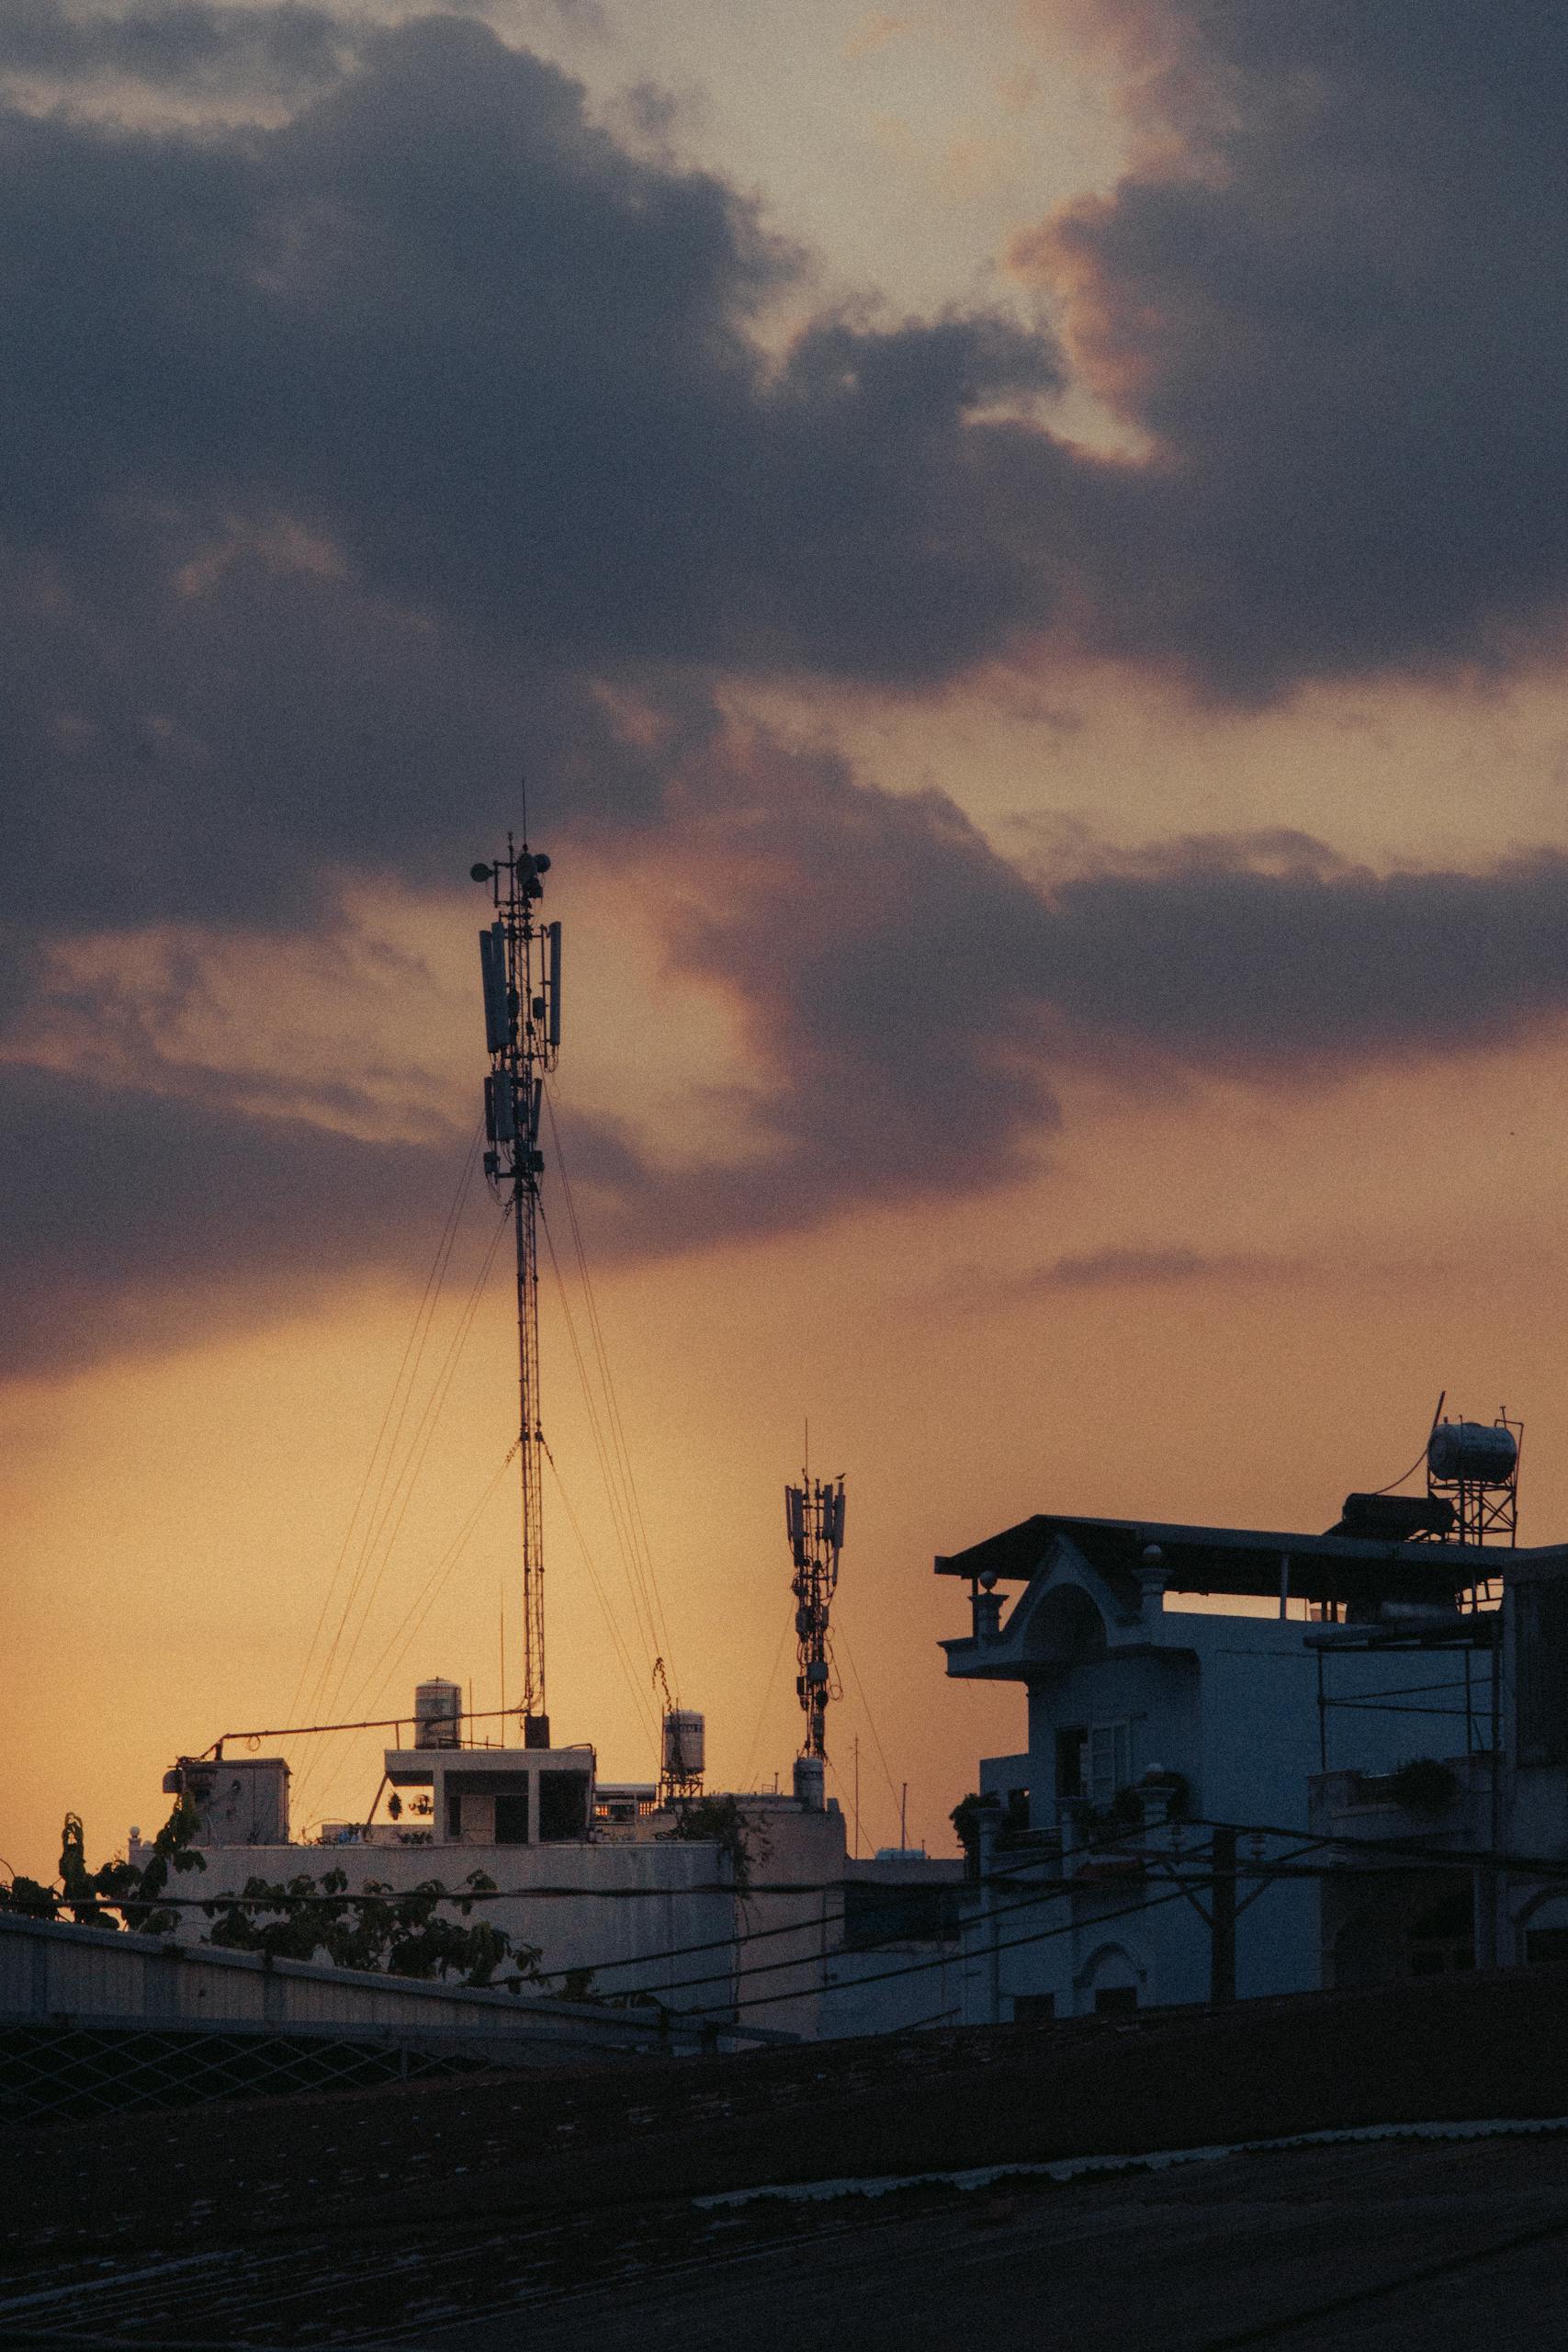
[599, 1877]
[1281, 1687]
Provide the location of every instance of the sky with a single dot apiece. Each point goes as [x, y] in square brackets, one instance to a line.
[1021, 554]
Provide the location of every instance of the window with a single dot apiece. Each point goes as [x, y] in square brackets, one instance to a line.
[1071, 1742]
[491, 1807]
[1034, 2009]
[563, 1806]
[511, 1817]
[892, 1914]
[1442, 1938]
[1108, 1761]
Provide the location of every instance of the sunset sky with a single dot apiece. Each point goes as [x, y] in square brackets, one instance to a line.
[1022, 548]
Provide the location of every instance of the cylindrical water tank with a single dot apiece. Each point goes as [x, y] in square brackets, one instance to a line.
[437, 1713]
[1473, 1450]
[810, 1782]
[684, 1734]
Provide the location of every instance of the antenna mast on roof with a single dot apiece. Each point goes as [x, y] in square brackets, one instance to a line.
[520, 962]
[814, 1519]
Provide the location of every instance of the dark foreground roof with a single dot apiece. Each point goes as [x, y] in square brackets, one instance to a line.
[1248, 1560]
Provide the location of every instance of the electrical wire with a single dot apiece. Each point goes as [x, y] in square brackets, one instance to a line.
[433, 1281]
[767, 1695]
[1180, 1894]
[420, 1444]
[843, 1638]
[639, 1695]
[425, 1432]
[641, 1547]
[413, 1619]
[394, 1493]
[641, 1608]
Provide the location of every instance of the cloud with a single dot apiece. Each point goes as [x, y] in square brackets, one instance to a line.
[1145, 1268]
[350, 460]
[506, 373]
[910, 1007]
[286, 47]
[1329, 296]
[138, 1221]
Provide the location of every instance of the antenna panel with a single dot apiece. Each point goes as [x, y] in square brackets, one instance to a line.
[552, 933]
[492, 968]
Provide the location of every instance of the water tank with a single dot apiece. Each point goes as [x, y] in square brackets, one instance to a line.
[684, 1734]
[437, 1713]
[1474, 1451]
[809, 1782]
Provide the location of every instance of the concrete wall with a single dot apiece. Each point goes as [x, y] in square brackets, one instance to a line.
[57, 1973]
[654, 1915]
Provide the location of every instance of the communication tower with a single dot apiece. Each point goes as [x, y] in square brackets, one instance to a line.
[520, 965]
[814, 1519]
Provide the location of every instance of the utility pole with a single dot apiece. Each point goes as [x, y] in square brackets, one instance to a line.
[519, 963]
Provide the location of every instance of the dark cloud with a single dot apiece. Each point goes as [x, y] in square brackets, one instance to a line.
[1220, 957]
[909, 1004]
[351, 463]
[1333, 299]
[342, 464]
[195, 47]
[506, 370]
[1148, 1269]
[138, 1222]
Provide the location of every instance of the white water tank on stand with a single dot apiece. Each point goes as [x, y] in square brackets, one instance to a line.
[1474, 1452]
[437, 1713]
[685, 1735]
[810, 1782]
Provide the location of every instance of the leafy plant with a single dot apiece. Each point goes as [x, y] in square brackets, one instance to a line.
[721, 1821]
[965, 1820]
[118, 1893]
[401, 1934]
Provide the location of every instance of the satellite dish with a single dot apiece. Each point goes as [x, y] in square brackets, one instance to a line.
[481, 873]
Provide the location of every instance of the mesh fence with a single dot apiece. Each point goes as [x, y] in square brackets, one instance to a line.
[51, 2072]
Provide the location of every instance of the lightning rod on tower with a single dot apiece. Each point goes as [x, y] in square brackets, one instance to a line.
[520, 965]
[814, 1522]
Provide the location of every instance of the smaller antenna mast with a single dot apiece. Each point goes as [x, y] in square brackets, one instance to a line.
[813, 1523]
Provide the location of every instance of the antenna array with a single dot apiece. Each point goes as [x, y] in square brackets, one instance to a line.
[519, 966]
[814, 1519]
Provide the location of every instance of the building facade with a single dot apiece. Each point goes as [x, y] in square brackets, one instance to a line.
[780, 1930]
[1261, 1763]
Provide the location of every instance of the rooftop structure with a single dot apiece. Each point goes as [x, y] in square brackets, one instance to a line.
[1189, 1686]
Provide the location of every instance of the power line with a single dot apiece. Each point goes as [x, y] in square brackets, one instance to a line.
[640, 1696]
[636, 1523]
[402, 1493]
[424, 1436]
[418, 1332]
